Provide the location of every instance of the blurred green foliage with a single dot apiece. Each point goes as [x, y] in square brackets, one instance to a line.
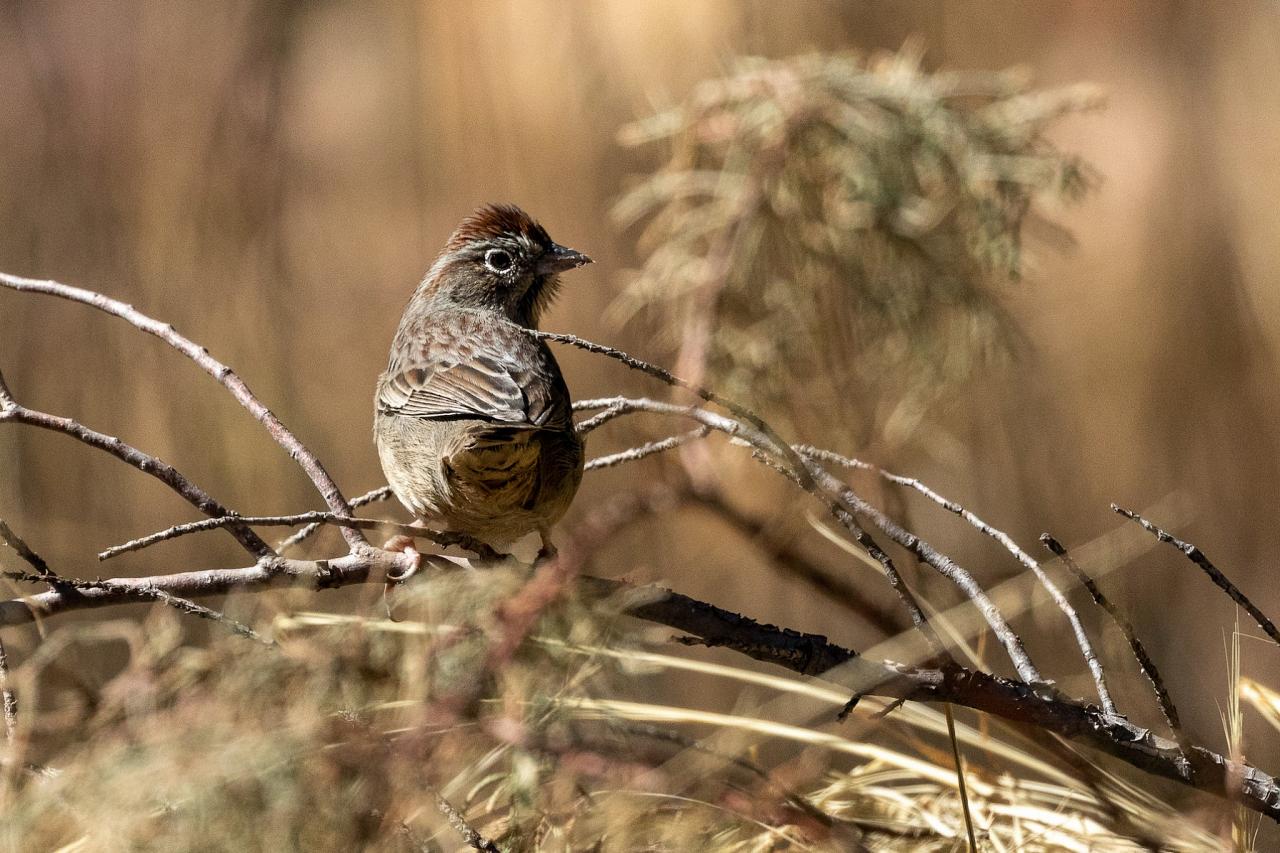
[828, 231]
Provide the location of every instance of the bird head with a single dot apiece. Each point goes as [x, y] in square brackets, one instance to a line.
[499, 258]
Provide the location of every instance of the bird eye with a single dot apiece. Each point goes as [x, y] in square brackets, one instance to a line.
[497, 260]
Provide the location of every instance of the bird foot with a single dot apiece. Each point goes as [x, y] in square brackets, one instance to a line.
[548, 551]
[406, 545]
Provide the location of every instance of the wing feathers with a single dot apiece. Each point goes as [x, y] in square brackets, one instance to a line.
[492, 373]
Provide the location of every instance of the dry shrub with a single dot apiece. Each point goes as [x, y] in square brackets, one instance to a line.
[831, 230]
[342, 736]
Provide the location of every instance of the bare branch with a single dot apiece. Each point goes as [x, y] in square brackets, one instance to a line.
[1145, 663]
[1077, 627]
[315, 517]
[1197, 556]
[151, 593]
[940, 562]
[664, 375]
[762, 446]
[162, 471]
[267, 572]
[222, 373]
[644, 450]
[840, 500]
[381, 493]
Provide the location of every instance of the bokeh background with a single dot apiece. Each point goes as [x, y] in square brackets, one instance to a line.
[273, 178]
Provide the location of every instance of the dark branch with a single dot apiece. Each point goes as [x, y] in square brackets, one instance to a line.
[796, 565]
[1197, 556]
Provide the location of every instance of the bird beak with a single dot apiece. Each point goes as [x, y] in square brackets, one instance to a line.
[558, 259]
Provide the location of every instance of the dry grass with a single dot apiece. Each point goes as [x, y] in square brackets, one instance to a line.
[343, 736]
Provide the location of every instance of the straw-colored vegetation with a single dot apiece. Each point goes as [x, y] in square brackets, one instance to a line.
[341, 739]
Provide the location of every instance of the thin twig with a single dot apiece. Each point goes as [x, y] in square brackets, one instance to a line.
[162, 471]
[381, 493]
[670, 378]
[1197, 556]
[151, 592]
[842, 514]
[1077, 627]
[459, 823]
[1145, 663]
[34, 560]
[593, 423]
[945, 566]
[644, 450]
[311, 517]
[222, 373]
[761, 446]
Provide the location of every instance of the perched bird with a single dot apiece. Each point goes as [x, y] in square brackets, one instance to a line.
[473, 420]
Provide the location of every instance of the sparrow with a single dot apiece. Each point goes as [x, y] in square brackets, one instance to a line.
[473, 419]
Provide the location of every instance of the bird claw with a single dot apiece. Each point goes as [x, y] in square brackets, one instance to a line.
[547, 551]
[404, 545]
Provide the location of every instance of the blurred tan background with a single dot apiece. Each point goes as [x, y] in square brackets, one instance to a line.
[274, 178]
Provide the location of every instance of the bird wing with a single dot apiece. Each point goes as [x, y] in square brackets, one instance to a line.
[494, 372]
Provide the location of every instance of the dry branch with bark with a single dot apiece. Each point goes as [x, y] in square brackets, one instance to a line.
[1030, 699]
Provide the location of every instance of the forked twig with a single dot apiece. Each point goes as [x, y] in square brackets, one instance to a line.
[381, 493]
[1145, 663]
[670, 378]
[649, 449]
[147, 464]
[222, 373]
[1077, 627]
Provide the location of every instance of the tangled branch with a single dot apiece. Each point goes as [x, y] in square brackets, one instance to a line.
[1030, 699]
